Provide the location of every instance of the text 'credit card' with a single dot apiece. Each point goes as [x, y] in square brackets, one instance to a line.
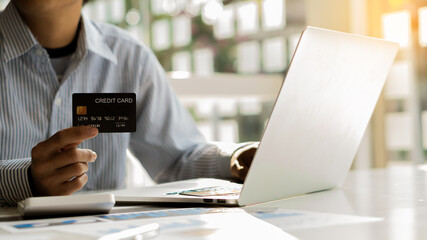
[109, 112]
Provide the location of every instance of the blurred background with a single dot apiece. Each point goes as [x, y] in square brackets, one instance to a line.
[227, 60]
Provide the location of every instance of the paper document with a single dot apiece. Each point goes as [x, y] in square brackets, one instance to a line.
[289, 220]
[188, 223]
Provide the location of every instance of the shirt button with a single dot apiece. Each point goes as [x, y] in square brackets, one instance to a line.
[57, 102]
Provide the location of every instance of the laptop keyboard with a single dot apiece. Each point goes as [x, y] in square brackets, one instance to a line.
[210, 191]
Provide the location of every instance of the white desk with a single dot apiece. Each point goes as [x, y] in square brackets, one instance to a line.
[397, 194]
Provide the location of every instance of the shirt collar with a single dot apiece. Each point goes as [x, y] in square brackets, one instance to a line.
[92, 40]
[17, 37]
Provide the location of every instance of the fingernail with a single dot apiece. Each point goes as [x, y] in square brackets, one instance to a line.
[92, 130]
[95, 155]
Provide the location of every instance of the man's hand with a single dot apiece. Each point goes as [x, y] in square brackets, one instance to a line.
[58, 167]
[242, 160]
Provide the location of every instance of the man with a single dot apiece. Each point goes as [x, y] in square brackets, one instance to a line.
[50, 51]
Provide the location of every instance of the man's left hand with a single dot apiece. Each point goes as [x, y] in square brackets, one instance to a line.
[242, 160]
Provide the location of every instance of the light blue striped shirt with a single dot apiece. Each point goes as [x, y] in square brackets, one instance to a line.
[34, 105]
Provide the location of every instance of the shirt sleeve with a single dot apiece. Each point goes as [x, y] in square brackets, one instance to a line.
[14, 183]
[167, 141]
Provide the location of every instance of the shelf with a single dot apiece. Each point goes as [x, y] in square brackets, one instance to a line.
[223, 85]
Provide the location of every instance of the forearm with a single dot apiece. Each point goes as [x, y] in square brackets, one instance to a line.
[210, 160]
[14, 182]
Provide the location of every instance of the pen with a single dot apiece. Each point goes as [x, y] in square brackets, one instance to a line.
[141, 232]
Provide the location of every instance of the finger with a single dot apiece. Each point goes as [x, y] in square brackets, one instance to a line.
[69, 172]
[236, 171]
[75, 185]
[247, 156]
[47, 169]
[68, 137]
[73, 145]
[71, 156]
[52, 183]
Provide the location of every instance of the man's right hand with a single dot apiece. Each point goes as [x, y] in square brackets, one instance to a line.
[58, 167]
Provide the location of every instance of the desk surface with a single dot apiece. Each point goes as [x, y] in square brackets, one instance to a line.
[397, 195]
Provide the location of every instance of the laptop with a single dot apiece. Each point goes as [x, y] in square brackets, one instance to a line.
[317, 123]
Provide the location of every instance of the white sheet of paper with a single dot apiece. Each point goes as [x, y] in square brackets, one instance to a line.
[42, 225]
[53, 235]
[239, 225]
[288, 220]
[188, 223]
[219, 224]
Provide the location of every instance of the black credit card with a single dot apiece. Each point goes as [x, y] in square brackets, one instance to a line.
[109, 112]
